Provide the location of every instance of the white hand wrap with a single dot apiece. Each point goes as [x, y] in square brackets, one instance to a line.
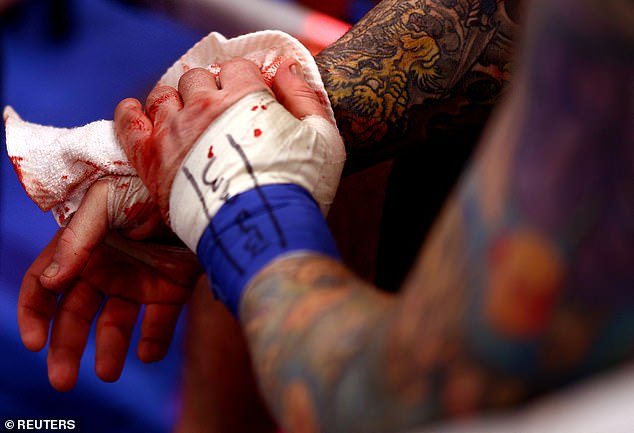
[256, 142]
[129, 202]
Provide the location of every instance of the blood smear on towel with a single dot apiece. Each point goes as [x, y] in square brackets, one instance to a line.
[17, 166]
[267, 70]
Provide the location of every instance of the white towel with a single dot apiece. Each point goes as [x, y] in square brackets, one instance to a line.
[56, 166]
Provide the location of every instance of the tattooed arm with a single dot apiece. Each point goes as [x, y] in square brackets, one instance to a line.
[449, 58]
[526, 282]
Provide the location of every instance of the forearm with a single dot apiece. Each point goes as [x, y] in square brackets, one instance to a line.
[450, 59]
[318, 344]
[527, 264]
[524, 285]
[529, 259]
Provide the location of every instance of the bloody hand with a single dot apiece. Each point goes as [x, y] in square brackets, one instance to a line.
[157, 140]
[84, 269]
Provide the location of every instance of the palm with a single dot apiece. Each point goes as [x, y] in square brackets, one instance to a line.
[119, 276]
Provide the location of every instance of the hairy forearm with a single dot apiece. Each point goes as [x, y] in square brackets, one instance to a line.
[450, 59]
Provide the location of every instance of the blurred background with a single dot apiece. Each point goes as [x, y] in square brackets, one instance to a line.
[69, 62]
[66, 63]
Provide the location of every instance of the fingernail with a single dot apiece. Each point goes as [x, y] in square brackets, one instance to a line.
[296, 70]
[51, 270]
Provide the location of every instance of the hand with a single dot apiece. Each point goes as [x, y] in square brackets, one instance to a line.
[157, 140]
[84, 267]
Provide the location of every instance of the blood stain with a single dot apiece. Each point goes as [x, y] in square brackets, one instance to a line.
[269, 71]
[61, 215]
[210, 154]
[135, 211]
[17, 166]
[257, 132]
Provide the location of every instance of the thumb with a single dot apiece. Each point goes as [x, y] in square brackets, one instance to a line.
[79, 238]
[294, 93]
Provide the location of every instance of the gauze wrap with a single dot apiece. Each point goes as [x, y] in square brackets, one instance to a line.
[256, 142]
[56, 166]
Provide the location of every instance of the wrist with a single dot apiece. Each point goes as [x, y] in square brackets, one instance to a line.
[255, 228]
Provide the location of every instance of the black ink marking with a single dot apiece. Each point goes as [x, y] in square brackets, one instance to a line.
[255, 243]
[212, 228]
[256, 185]
[199, 193]
[216, 183]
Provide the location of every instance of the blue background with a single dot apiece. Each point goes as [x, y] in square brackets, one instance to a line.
[68, 70]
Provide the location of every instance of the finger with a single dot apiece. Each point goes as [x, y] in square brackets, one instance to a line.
[239, 77]
[78, 239]
[36, 304]
[133, 129]
[161, 102]
[69, 334]
[153, 226]
[170, 260]
[127, 276]
[114, 330]
[157, 330]
[196, 81]
[294, 93]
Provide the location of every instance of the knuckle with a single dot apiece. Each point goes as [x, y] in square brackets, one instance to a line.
[68, 239]
[127, 104]
[136, 124]
[160, 95]
[70, 243]
[239, 66]
[193, 78]
[128, 119]
[194, 72]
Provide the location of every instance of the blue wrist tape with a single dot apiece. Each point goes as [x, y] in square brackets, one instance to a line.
[253, 228]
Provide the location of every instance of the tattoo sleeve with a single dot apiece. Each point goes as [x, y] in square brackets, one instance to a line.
[526, 282]
[448, 58]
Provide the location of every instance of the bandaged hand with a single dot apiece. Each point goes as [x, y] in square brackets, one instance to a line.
[223, 154]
